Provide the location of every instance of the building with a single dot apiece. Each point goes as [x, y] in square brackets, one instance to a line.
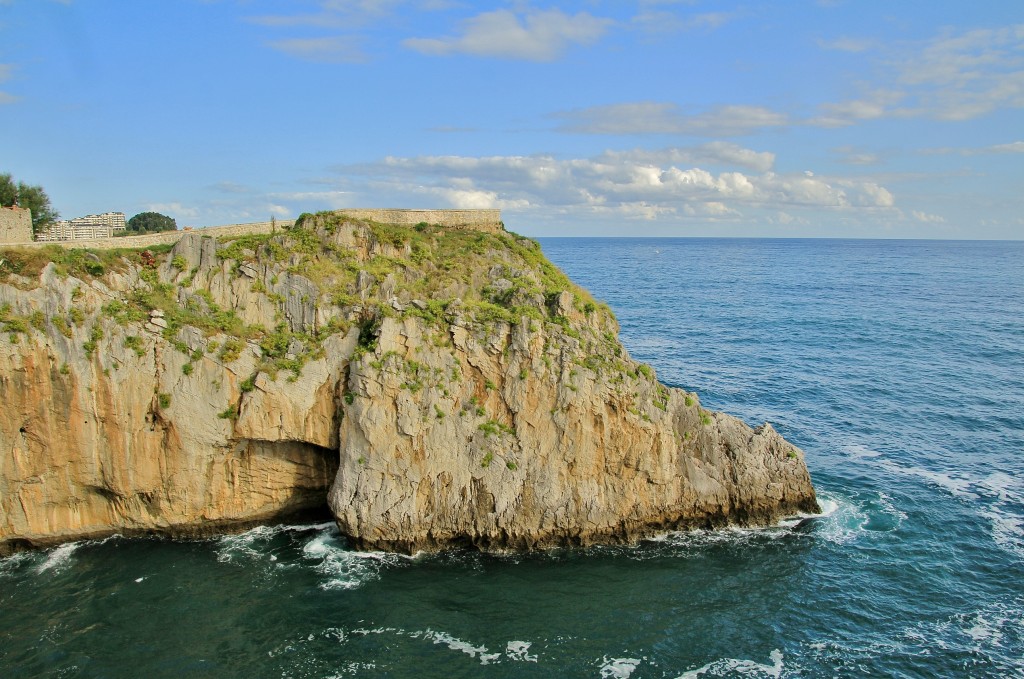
[105, 225]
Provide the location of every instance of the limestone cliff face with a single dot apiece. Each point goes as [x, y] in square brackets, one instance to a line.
[437, 387]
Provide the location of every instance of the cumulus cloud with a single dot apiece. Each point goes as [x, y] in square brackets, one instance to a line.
[650, 117]
[330, 49]
[534, 36]
[627, 184]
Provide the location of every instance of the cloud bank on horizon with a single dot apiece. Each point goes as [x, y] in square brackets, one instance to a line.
[589, 117]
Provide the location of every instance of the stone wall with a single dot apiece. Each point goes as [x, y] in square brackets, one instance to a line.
[482, 220]
[15, 225]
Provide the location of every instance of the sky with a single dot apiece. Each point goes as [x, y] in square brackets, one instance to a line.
[795, 118]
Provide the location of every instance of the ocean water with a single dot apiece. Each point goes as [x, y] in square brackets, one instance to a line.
[898, 366]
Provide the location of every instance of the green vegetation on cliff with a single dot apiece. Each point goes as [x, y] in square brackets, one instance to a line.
[322, 276]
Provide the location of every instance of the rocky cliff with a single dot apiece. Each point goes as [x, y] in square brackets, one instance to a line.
[434, 386]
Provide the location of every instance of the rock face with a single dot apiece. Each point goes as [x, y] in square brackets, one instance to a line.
[436, 388]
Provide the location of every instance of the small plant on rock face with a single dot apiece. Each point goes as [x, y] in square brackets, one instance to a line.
[164, 400]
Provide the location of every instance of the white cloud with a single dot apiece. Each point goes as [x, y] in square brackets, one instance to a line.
[1011, 147]
[854, 156]
[712, 153]
[662, 21]
[953, 76]
[878, 104]
[614, 183]
[927, 218]
[332, 49]
[536, 36]
[649, 117]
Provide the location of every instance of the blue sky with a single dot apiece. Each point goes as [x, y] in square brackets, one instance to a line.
[824, 118]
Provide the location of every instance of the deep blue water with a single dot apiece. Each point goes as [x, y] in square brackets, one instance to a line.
[898, 366]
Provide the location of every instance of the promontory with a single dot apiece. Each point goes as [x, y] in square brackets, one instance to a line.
[435, 384]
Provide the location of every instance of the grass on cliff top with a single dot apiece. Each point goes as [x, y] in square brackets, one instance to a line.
[84, 263]
[436, 264]
[491, 277]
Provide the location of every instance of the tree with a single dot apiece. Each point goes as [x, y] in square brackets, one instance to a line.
[8, 190]
[151, 222]
[32, 197]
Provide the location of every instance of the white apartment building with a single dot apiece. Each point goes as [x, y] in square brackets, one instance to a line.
[105, 225]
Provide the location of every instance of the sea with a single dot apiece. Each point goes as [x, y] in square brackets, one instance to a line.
[897, 365]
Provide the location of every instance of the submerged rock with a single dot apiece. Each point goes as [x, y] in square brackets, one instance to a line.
[474, 397]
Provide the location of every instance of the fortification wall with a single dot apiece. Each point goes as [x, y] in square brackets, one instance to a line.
[481, 220]
[15, 224]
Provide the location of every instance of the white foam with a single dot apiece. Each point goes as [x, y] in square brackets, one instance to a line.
[456, 644]
[982, 633]
[1002, 493]
[12, 563]
[519, 650]
[618, 668]
[58, 559]
[344, 568]
[744, 667]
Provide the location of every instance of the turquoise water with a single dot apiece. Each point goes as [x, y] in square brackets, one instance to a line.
[897, 365]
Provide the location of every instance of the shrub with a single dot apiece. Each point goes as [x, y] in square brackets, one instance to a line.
[231, 350]
[164, 400]
[134, 342]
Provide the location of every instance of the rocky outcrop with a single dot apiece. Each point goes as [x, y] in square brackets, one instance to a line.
[436, 387]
